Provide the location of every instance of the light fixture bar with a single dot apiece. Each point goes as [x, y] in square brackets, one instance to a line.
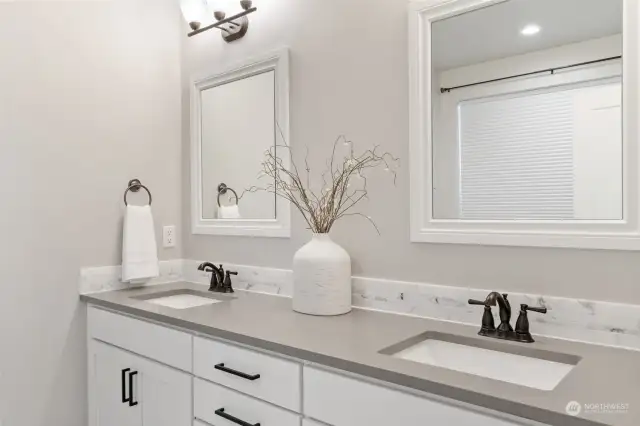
[223, 21]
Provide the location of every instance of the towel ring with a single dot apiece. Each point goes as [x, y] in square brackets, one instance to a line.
[222, 189]
[134, 186]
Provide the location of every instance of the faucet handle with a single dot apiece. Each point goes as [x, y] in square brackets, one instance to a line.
[525, 307]
[228, 286]
[488, 324]
[522, 325]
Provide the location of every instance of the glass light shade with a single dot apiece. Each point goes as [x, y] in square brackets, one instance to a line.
[194, 10]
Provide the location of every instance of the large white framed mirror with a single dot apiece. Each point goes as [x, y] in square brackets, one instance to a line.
[523, 122]
[238, 114]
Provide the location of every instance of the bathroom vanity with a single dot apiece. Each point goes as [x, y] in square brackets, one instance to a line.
[248, 359]
[514, 141]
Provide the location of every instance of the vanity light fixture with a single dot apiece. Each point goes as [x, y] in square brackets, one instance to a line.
[530, 30]
[196, 12]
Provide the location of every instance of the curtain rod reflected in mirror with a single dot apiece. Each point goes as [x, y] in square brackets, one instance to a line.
[548, 70]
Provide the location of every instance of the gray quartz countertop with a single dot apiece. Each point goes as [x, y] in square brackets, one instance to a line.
[353, 343]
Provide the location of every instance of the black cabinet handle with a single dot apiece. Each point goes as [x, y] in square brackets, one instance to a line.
[221, 367]
[124, 384]
[132, 403]
[220, 412]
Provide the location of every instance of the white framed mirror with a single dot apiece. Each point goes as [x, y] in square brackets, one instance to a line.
[523, 123]
[238, 114]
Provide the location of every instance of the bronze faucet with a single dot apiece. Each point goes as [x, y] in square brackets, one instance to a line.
[217, 275]
[220, 282]
[505, 309]
[504, 330]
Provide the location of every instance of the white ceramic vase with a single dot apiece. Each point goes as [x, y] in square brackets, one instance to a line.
[322, 278]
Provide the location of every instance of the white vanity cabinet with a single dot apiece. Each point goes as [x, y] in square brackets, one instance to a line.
[345, 401]
[128, 390]
[145, 374]
[107, 370]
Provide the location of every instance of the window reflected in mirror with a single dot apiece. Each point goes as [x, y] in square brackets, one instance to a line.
[238, 126]
[527, 112]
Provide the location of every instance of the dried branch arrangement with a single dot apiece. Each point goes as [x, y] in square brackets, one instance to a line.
[344, 182]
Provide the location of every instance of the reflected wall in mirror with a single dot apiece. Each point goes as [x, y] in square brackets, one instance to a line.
[527, 112]
[238, 126]
[523, 122]
[237, 115]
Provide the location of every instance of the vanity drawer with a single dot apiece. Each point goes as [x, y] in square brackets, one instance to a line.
[209, 398]
[165, 345]
[238, 368]
[343, 401]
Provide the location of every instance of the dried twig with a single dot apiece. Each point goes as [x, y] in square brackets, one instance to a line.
[337, 197]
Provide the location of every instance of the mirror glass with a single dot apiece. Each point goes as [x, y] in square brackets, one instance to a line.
[527, 112]
[238, 126]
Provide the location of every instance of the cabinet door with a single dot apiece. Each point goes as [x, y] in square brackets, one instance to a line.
[156, 395]
[165, 395]
[109, 387]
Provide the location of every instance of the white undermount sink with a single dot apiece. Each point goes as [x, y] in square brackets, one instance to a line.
[528, 368]
[183, 299]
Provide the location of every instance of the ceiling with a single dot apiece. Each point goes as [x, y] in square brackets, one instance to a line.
[494, 32]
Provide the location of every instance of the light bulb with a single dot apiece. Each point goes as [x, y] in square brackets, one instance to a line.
[194, 12]
[530, 30]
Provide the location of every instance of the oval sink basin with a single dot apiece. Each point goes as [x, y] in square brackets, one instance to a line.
[521, 366]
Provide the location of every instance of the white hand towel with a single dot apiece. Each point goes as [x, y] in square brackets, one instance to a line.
[139, 249]
[229, 212]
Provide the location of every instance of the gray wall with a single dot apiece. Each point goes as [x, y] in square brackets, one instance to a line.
[349, 75]
[89, 98]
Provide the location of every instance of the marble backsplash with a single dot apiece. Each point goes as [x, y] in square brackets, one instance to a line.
[108, 278]
[607, 323]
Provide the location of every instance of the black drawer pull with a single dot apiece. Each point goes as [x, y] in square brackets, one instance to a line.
[221, 367]
[220, 412]
[123, 381]
[132, 403]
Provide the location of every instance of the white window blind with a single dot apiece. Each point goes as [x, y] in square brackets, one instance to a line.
[516, 157]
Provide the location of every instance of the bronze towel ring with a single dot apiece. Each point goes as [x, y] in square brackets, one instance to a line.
[222, 189]
[134, 186]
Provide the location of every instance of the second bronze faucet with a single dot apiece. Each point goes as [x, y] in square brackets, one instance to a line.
[504, 330]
